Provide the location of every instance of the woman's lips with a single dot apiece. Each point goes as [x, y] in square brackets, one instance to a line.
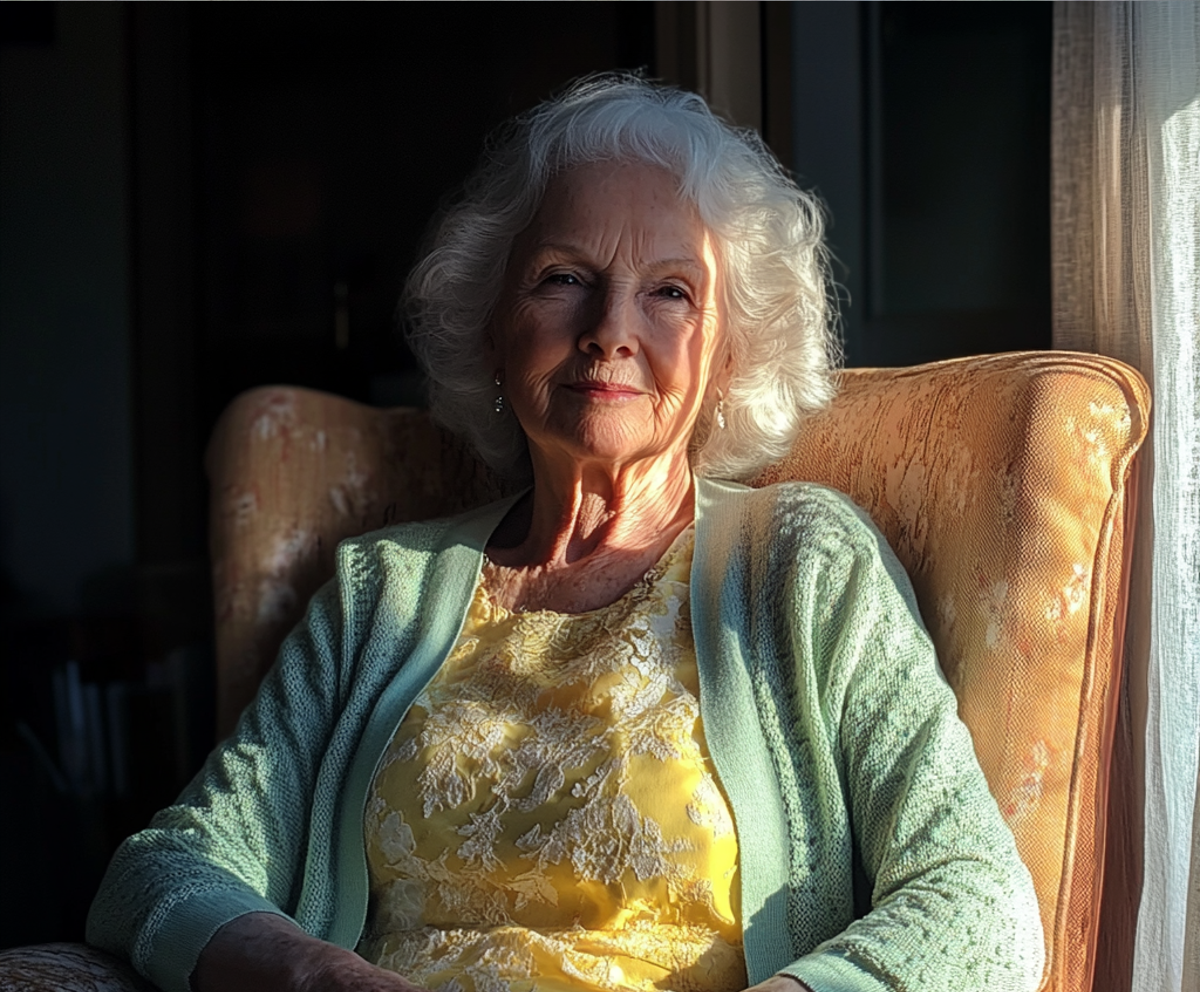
[612, 391]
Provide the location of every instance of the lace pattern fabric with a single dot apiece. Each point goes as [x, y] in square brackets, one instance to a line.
[547, 812]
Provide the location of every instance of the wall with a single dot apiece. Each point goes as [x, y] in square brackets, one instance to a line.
[926, 130]
[66, 515]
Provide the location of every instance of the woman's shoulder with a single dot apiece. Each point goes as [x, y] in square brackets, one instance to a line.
[407, 534]
[417, 540]
[804, 528]
[804, 511]
[362, 562]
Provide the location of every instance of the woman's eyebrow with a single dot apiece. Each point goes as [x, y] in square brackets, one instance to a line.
[694, 265]
[554, 248]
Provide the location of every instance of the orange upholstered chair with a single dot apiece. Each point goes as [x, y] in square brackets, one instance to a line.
[1003, 483]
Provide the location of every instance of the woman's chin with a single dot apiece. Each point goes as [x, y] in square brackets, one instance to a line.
[600, 445]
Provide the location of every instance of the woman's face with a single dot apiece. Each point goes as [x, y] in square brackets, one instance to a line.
[607, 332]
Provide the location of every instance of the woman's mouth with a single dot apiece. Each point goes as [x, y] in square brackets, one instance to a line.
[612, 392]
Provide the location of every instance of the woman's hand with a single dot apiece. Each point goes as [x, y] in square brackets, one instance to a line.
[780, 983]
[261, 952]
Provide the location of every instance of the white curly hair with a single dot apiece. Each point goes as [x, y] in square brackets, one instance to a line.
[777, 296]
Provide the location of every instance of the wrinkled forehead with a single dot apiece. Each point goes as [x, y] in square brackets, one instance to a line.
[600, 204]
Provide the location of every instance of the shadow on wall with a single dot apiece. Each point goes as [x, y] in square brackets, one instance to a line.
[105, 701]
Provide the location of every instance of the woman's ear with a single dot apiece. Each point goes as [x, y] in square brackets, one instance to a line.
[718, 381]
[491, 351]
[723, 372]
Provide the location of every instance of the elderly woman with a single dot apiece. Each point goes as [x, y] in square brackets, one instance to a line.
[635, 728]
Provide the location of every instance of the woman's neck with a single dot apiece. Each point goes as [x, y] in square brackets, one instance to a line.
[586, 535]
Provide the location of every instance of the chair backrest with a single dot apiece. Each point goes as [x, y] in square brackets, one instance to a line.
[1000, 481]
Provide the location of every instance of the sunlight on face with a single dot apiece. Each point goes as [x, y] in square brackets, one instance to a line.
[607, 330]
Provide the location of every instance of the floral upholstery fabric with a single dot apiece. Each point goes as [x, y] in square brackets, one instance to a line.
[547, 813]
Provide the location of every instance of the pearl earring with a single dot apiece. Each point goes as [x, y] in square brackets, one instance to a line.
[720, 414]
[498, 403]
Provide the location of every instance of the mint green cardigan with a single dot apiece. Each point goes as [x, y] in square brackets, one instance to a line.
[871, 854]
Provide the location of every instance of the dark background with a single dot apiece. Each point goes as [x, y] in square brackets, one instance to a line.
[196, 199]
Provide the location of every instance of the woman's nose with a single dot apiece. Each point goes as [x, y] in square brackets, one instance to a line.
[612, 331]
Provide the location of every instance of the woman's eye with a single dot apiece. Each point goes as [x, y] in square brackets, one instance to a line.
[563, 279]
[671, 292]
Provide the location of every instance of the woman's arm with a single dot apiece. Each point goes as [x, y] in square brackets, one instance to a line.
[261, 952]
[952, 905]
[234, 842]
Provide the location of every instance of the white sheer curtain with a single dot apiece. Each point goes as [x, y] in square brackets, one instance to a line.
[1126, 212]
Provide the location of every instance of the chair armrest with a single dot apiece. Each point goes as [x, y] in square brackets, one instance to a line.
[67, 968]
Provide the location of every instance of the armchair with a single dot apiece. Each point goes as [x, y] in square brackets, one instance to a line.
[1004, 483]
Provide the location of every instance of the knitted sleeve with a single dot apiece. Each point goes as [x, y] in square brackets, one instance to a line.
[952, 907]
[233, 843]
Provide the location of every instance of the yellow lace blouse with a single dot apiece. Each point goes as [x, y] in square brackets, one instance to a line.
[546, 815]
